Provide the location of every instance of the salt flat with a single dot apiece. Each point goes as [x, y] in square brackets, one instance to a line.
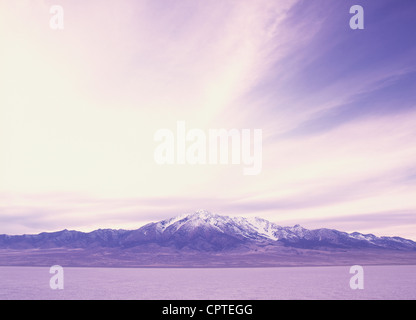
[381, 282]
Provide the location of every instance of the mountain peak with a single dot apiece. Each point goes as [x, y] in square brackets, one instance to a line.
[203, 230]
[202, 213]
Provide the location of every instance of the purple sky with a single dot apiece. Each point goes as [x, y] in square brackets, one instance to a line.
[79, 108]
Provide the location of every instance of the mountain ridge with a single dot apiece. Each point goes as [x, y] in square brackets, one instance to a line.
[204, 231]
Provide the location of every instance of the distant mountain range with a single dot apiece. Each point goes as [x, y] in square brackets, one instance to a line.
[204, 231]
[200, 236]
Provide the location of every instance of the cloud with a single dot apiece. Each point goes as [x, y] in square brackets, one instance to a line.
[80, 108]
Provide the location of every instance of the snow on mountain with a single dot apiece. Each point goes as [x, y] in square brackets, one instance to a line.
[205, 226]
[250, 228]
[205, 231]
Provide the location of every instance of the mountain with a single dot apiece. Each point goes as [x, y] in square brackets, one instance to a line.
[203, 239]
[204, 231]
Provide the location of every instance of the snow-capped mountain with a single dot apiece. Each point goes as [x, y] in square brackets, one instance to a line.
[205, 231]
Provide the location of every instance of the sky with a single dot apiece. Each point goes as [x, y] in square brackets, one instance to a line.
[79, 108]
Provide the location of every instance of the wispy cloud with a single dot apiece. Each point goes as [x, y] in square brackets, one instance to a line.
[79, 108]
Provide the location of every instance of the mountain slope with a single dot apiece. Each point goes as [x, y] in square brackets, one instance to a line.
[206, 232]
